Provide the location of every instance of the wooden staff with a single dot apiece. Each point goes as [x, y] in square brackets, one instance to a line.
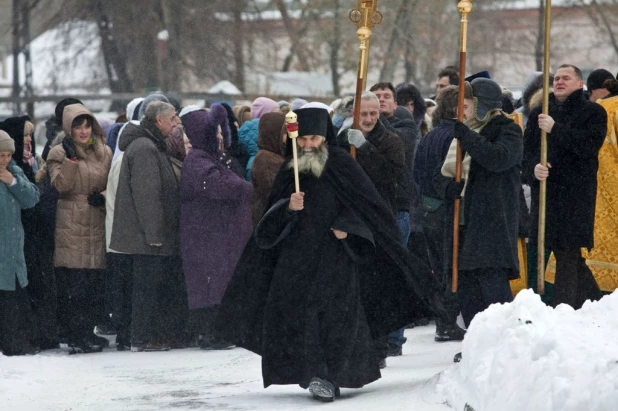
[464, 7]
[291, 125]
[366, 16]
[543, 184]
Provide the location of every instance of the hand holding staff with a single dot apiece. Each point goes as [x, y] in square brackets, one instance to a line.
[464, 7]
[291, 125]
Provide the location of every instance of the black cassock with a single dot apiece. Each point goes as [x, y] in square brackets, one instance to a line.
[311, 304]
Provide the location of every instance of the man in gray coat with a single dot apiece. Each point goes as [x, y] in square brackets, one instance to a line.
[146, 224]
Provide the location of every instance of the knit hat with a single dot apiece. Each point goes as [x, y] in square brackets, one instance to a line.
[263, 105]
[201, 128]
[597, 78]
[6, 143]
[488, 96]
[149, 99]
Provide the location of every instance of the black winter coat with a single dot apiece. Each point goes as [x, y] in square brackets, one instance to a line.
[572, 150]
[491, 201]
[407, 131]
[382, 158]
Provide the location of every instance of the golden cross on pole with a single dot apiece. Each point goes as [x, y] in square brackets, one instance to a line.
[366, 16]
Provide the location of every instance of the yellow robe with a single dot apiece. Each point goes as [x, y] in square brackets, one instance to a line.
[603, 259]
[522, 254]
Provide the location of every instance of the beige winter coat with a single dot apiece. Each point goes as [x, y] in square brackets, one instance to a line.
[80, 227]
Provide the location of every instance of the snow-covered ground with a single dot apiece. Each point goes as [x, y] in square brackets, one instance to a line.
[519, 356]
[192, 379]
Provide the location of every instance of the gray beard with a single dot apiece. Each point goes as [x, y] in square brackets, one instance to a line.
[312, 163]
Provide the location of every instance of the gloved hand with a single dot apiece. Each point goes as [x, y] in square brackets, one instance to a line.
[454, 189]
[356, 138]
[460, 130]
[96, 199]
[69, 147]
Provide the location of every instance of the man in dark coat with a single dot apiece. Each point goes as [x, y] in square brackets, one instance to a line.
[400, 121]
[306, 294]
[147, 227]
[576, 129]
[380, 153]
[488, 236]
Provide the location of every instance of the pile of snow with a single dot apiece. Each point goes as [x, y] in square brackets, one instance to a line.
[527, 356]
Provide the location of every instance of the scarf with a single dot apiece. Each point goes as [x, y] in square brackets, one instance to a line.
[448, 168]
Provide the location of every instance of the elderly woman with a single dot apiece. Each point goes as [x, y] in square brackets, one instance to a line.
[38, 240]
[215, 218]
[16, 194]
[78, 169]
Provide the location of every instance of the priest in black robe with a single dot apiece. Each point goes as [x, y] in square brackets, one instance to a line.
[325, 273]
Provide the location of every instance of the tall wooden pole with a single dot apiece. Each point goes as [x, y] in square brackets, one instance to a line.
[464, 7]
[366, 16]
[543, 185]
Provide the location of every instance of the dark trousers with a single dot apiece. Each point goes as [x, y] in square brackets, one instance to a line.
[80, 301]
[17, 328]
[43, 293]
[417, 247]
[434, 224]
[120, 294]
[480, 288]
[159, 308]
[574, 281]
[42, 289]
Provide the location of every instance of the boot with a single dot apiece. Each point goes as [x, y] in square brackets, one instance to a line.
[449, 332]
[322, 390]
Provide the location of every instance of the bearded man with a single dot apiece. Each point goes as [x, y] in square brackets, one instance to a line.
[306, 294]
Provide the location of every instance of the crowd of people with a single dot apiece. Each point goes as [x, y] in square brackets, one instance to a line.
[185, 226]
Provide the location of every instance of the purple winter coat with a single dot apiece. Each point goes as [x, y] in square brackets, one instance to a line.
[215, 225]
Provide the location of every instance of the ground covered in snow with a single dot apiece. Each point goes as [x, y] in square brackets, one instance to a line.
[191, 379]
[519, 356]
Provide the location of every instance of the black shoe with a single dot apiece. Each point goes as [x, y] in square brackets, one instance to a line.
[457, 357]
[322, 390]
[393, 350]
[382, 363]
[84, 347]
[450, 332]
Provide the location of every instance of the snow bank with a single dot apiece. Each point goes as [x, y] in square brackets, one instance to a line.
[527, 356]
